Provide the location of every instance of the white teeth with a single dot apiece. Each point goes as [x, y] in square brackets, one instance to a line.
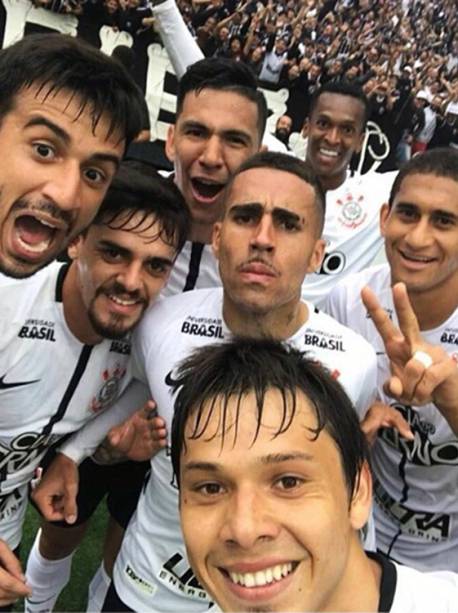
[119, 300]
[329, 152]
[417, 258]
[38, 248]
[47, 223]
[276, 571]
[262, 577]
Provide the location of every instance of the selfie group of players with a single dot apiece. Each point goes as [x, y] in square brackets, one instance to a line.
[272, 420]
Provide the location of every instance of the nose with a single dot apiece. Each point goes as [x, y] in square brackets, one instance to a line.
[212, 153]
[332, 135]
[420, 234]
[63, 187]
[263, 234]
[248, 521]
[130, 277]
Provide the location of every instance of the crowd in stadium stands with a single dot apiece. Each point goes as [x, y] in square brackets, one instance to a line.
[405, 55]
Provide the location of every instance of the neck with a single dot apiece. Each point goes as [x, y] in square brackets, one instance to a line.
[359, 589]
[248, 321]
[330, 183]
[435, 306]
[75, 311]
[201, 233]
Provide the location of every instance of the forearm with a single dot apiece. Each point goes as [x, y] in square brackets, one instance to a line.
[178, 41]
[84, 442]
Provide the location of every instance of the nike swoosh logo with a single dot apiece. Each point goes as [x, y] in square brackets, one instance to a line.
[5, 386]
[169, 380]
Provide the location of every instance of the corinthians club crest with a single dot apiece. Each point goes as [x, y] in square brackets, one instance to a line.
[110, 388]
[350, 211]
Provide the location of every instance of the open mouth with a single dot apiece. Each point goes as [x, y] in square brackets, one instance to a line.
[205, 189]
[34, 236]
[261, 578]
[328, 154]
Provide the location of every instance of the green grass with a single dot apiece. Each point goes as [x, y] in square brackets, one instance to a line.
[85, 561]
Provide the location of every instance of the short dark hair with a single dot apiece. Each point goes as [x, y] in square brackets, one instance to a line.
[441, 162]
[138, 187]
[56, 62]
[213, 374]
[343, 87]
[223, 74]
[286, 163]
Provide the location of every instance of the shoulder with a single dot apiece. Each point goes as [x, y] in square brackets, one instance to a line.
[351, 341]
[425, 591]
[347, 292]
[168, 313]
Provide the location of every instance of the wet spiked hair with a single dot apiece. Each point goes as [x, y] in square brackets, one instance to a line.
[212, 375]
[57, 62]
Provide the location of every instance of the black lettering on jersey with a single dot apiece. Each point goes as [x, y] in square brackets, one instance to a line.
[41, 333]
[421, 451]
[449, 338]
[178, 572]
[8, 499]
[121, 347]
[317, 340]
[207, 330]
[333, 263]
[22, 451]
[433, 527]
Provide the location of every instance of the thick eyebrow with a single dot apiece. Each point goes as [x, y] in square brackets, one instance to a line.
[329, 117]
[271, 458]
[39, 120]
[277, 458]
[434, 212]
[256, 208]
[107, 244]
[230, 133]
[64, 136]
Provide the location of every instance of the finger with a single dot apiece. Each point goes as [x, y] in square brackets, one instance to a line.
[122, 437]
[408, 322]
[379, 316]
[433, 377]
[393, 387]
[412, 374]
[10, 563]
[69, 502]
[149, 410]
[395, 420]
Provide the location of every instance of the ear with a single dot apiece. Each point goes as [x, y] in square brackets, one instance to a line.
[305, 128]
[317, 255]
[361, 502]
[384, 214]
[216, 237]
[74, 248]
[170, 144]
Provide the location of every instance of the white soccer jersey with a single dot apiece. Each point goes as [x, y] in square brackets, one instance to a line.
[50, 383]
[416, 483]
[152, 572]
[406, 590]
[351, 231]
[195, 268]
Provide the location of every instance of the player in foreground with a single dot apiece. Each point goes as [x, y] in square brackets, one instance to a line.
[274, 485]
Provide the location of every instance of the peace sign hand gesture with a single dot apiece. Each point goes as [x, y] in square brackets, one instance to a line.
[420, 372]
